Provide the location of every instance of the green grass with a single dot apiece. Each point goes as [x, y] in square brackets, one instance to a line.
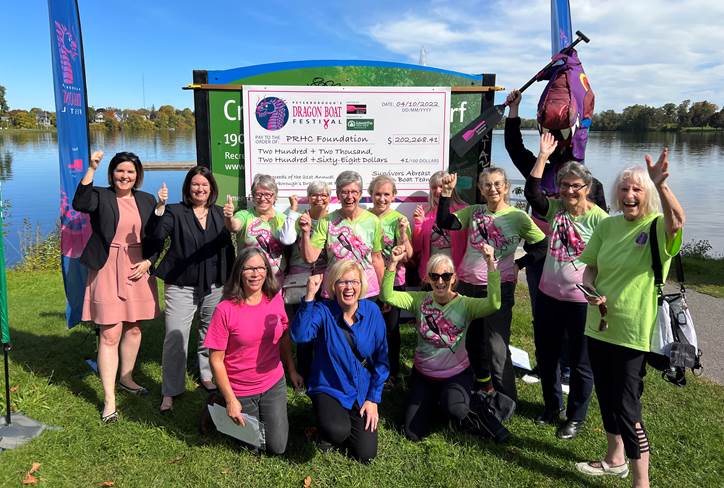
[685, 425]
[705, 275]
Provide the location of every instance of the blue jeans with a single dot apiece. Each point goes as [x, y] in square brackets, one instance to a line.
[270, 407]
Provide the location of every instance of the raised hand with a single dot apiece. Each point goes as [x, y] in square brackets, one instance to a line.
[448, 184]
[95, 160]
[293, 203]
[397, 254]
[489, 256]
[513, 99]
[228, 207]
[313, 284]
[548, 144]
[402, 225]
[419, 214]
[163, 194]
[305, 222]
[659, 171]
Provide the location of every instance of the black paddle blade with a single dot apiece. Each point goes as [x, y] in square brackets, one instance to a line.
[464, 140]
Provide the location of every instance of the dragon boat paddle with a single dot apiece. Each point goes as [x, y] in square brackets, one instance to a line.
[464, 140]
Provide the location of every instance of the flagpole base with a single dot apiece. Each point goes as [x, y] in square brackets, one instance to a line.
[22, 430]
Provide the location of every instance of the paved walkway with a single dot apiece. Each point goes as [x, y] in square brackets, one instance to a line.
[708, 315]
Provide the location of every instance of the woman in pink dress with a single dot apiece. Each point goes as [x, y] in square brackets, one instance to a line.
[120, 292]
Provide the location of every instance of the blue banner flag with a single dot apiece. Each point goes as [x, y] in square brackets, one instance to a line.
[71, 109]
[561, 29]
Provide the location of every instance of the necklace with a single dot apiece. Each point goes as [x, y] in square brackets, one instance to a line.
[202, 215]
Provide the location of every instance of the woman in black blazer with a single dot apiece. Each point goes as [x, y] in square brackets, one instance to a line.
[194, 270]
[119, 254]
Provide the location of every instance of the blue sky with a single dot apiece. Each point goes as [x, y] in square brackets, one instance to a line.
[643, 51]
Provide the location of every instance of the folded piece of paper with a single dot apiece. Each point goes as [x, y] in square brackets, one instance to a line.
[252, 432]
[520, 358]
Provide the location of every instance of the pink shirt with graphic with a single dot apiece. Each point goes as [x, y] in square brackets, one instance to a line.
[249, 335]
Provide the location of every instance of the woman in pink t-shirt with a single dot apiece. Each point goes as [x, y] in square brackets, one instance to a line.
[247, 337]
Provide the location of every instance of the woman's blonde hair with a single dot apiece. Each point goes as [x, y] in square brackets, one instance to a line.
[338, 269]
[438, 259]
[640, 176]
[435, 180]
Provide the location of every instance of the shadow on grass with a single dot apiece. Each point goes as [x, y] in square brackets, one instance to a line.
[60, 358]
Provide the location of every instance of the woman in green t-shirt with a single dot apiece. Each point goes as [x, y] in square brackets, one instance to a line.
[620, 276]
[262, 226]
[502, 226]
[395, 232]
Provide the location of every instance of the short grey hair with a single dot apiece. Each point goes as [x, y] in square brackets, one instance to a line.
[381, 180]
[265, 181]
[347, 178]
[317, 186]
[575, 169]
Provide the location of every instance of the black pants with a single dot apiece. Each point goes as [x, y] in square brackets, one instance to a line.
[392, 323]
[426, 395]
[344, 428]
[304, 350]
[618, 374]
[488, 339]
[554, 320]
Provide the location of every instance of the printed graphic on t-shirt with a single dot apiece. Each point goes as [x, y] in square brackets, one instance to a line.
[266, 242]
[435, 328]
[439, 238]
[345, 244]
[566, 244]
[484, 231]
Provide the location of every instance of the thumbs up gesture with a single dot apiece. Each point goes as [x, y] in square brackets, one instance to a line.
[163, 194]
[293, 203]
[228, 207]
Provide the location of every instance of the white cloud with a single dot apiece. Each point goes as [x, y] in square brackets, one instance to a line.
[641, 51]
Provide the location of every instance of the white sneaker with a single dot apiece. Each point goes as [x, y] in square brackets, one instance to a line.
[604, 469]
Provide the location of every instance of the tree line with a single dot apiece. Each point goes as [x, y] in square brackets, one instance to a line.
[110, 118]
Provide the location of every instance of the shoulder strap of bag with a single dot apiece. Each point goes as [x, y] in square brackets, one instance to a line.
[363, 361]
[655, 256]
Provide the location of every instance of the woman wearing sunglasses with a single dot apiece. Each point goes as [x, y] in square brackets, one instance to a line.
[441, 372]
[262, 226]
[501, 226]
[350, 363]
[560, 307]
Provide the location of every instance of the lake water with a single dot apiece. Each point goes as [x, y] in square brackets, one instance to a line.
[30, 179]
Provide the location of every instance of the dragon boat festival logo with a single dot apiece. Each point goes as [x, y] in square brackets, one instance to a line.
[272, 113]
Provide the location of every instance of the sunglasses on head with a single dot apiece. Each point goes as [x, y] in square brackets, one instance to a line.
[434, 277]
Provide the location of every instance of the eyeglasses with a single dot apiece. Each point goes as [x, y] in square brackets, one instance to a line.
[346, 283]
[254, 269]
[434, 277]
[574, 186]
[319, 196]
[496, 184]
[263, 196]
[350, 193]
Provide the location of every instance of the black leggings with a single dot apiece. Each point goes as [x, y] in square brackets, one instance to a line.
[392, 323]
[344, 428]
[618, 375]
[426, 394]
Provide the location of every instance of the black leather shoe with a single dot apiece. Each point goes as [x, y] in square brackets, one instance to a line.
[551, 417]
[570, 429]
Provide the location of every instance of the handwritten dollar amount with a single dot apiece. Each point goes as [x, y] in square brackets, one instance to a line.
[413, 140]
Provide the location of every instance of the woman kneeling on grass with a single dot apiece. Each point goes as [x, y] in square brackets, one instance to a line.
[442, 372]
[350, 363]
[247, 338]
[619, 268]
